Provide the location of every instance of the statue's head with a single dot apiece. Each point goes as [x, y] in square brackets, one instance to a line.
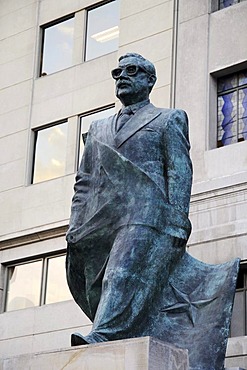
[135, 78]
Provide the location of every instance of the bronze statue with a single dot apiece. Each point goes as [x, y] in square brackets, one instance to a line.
[129, 219]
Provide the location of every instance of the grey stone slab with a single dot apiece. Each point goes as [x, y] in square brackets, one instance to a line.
[145, 353]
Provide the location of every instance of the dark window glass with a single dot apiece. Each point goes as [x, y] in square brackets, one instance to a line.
[225, 3]
[57, 48]
[85, 122]
[50, 152]
[239, 314]
[102, 30]
[232, 109]
[23, 286]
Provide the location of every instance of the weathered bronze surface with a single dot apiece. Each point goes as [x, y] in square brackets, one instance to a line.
[126, 263]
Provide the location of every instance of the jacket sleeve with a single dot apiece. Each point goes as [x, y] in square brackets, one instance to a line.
[82, 184]
[178, 168]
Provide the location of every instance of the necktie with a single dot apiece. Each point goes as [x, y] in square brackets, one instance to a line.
[123, 117]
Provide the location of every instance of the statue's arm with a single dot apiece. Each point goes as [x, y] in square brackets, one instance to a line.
[178, 166]
[83, 177]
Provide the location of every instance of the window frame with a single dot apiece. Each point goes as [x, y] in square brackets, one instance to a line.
[243, 270]
[35, 132]
[92, 7]
[219, 4]
[44, 275]
[225, 92]
[42, 29]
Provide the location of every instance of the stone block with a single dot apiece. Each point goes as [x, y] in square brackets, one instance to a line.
[148, 22]
[131, 354]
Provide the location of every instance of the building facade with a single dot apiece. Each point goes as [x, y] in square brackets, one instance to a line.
[55, 62]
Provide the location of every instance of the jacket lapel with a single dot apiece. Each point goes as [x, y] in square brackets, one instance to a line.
[140, 119]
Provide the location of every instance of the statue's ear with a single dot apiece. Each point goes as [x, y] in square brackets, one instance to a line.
[151, 81]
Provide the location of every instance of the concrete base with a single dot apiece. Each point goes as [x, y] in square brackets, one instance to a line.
[131, 354]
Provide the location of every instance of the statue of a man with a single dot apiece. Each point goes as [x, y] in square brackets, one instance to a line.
[129, 220]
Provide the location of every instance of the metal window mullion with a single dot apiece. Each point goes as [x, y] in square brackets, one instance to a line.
[5, 289]
[245, 307]
[232, 90]
[43, 281]
[237, 120]
[229, 91]
[245, 303]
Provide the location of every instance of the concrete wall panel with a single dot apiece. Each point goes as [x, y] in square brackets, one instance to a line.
[16, 71]
[163, 68]
[161, 97]
[146, 23]
[40, 205]
[229, 159]
[227, 37]
[129, 7]
[18, 21]
[15, 96]
[189, 9]
[49, 11]
[41, 328]
[17, 46]
[19, 141]
[14, 121]
[191, 85]
[13, 6]
[154, 48]
[33, 249]
[12, 176]
[222, 250]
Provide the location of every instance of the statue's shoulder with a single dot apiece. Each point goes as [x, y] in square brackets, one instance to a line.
[100, 124]
[173, 115]
[170, 112]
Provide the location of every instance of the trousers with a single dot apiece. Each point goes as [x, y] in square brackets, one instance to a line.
[117, 280]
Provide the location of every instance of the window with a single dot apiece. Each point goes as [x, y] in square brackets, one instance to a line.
[85, 122]
[57, 46]
[35, 283]
[102, 30]
[50, 152]
[225, 3]
[24, 285]
[56, 284]
[239, 315]
[232, 108]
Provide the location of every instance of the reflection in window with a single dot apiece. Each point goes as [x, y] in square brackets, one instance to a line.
[102, 30]
[57, 48]
[232, 108]
[24, 286]
[225, 3]
[56, 288]
[239, 315]
[36, 283]
[85, 122]
[50, 152]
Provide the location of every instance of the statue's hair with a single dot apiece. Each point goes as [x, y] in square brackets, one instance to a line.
[149, 67]
[146, 63]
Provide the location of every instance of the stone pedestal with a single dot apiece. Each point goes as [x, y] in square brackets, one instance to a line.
[131, 354]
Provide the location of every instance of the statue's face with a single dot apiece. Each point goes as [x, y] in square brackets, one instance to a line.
[133, 83]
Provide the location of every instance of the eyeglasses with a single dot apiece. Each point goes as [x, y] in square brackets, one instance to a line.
[131, 70]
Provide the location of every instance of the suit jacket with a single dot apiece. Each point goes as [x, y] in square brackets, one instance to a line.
[139, 175]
